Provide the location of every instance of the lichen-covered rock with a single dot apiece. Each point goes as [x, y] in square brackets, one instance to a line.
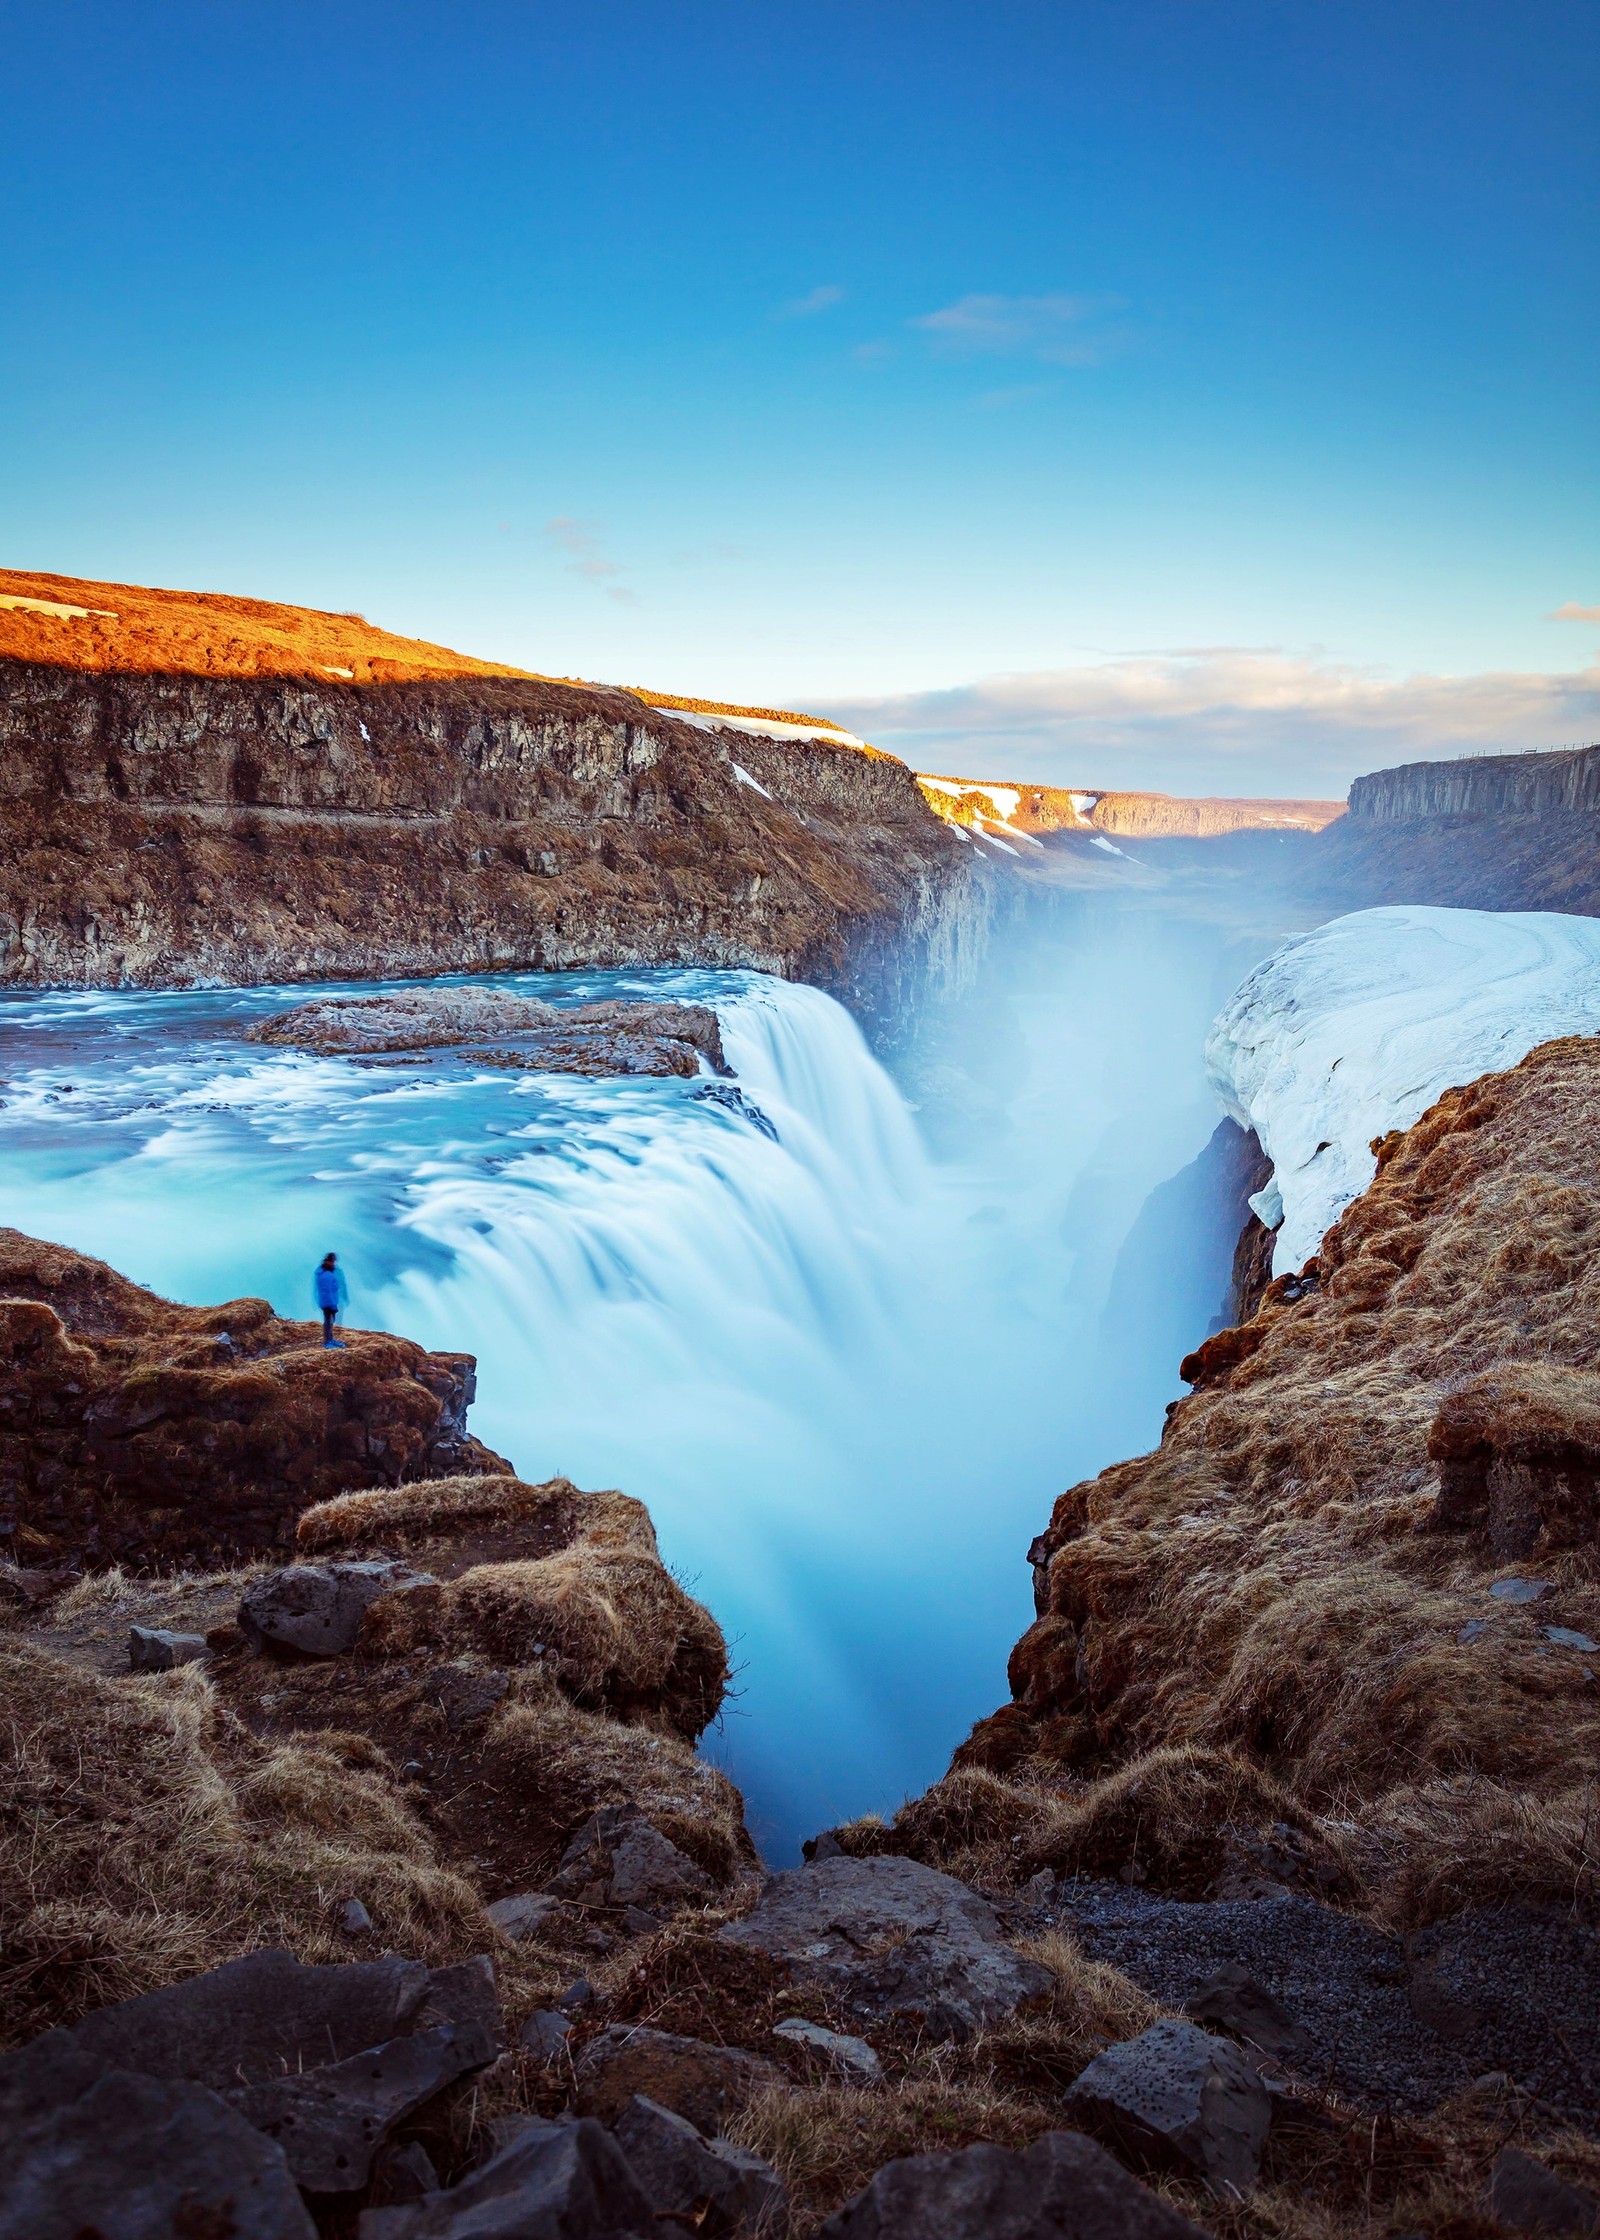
[707, 2084]
[318, 1608]
[1175, 2098]
[618, 1859]
[891, 1937]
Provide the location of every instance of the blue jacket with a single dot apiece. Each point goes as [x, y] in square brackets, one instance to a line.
[330, 1287]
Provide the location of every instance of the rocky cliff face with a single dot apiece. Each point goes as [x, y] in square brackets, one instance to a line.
[142, 1433]
[178, 828]
[1496, 832]
[1480, 786]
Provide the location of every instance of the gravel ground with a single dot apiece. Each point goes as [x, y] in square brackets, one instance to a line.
[1406, 2022]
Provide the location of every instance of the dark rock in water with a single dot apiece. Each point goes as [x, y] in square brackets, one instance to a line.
[545, 2035]
[554, 2181]
[1063, 2187]
[330, 2122]
[1235, 2001]
[317, 1608]
[618, 1858]
[735, 1101]
[713, 2185]
[154, 1649]
[1175, 2098]
[891, 1937]
[141, 2158]
[708, 2084]
[1524, 2194]
[613, 1037]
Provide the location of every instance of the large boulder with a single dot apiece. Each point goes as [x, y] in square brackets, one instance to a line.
[330, 2122]
[708, 2084]
[890, 1937]
[617, 1858]
[317, 1608]
[1063, 2187]
[242, 2023]
[713, 2186]
[1525, 2194]
[1175, 2098]
[554, 2181]
[142, 2158]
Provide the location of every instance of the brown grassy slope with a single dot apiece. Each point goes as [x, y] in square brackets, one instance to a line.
[142, 631]
[1279, 1586]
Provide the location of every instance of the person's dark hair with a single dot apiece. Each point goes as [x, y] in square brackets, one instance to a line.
[330, 1259]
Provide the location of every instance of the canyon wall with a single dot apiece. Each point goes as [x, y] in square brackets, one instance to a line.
[1498, 832]
[1478, 786]
[167, 828]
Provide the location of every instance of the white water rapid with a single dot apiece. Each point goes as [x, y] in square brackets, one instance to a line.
[847, 1377]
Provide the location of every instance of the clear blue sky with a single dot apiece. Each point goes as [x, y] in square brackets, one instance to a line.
[848, 355]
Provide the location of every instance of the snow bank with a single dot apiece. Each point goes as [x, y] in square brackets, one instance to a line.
[1347, 1032]
[756, 728]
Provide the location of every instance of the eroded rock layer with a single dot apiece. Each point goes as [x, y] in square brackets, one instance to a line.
[175, 829]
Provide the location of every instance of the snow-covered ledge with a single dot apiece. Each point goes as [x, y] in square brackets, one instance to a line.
[1347, 1032]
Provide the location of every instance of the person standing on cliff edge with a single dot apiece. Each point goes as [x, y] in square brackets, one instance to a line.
[332, 1296]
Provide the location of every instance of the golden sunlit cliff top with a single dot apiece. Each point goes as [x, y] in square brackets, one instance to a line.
[71, 622]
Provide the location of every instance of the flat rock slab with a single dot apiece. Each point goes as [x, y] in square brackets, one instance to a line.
[1176, 2098]
[1512, 1989]
[524, 1914]
[890, 1937]
[618, 1858]
[253, 2020]
[141, 2158]
[1063, 2187]
[708, 2084]
[156, 1649]
[331, 2122]
[555, 2181]
[853, 2055]
[709, 2182]
[316, 1609]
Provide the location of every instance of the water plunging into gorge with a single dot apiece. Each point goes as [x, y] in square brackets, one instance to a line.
[848, 1365]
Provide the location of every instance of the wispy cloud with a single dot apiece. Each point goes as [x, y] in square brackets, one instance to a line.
[1222, 720]
[807, 307]
[1572, 612]
[580, 541]
[1058, 329]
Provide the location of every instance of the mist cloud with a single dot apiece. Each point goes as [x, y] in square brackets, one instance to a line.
[1222, 720]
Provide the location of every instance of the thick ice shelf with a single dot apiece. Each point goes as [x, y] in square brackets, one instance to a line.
[1347, 1032]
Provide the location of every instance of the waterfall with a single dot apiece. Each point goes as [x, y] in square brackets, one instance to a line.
[848, 1377]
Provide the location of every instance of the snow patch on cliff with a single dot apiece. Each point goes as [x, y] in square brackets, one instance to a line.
[1356, 1028]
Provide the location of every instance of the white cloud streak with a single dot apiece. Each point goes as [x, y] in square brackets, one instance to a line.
[1221, 721]
[807, 306]
[580, 541]
[1053, 329]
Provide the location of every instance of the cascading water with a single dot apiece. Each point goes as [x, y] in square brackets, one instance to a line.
[846, 1377]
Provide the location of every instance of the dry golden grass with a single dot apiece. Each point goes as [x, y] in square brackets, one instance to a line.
[1269, 1589]
[433, 1508]
[144, 1836]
